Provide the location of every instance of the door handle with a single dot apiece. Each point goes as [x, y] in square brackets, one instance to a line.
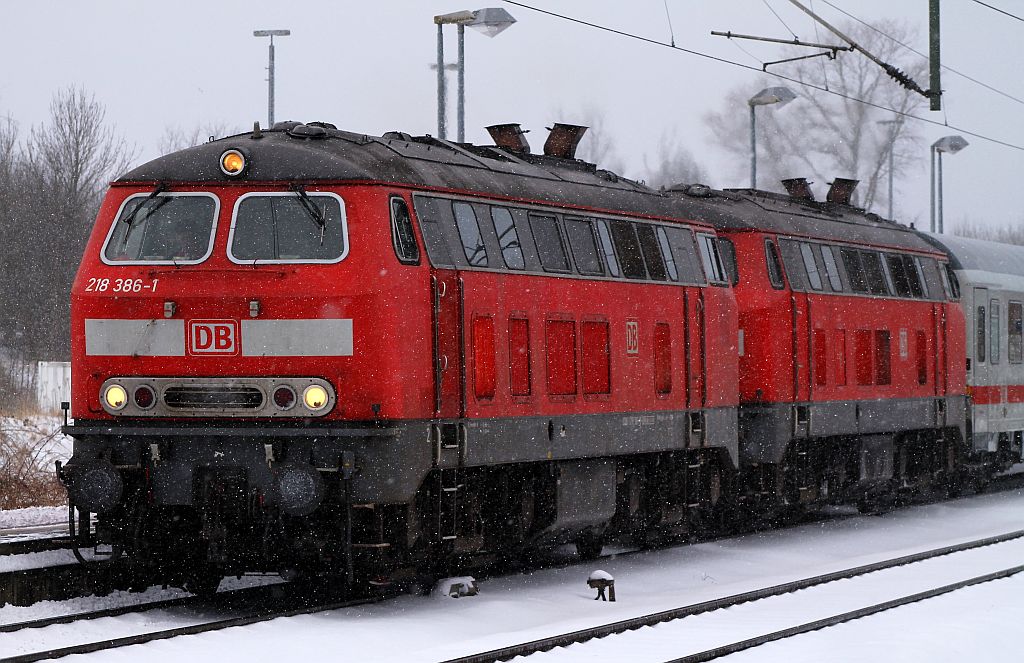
[444, 362]
[442, 288]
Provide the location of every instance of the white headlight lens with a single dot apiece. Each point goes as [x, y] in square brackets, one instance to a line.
[115, 397]
[315, 397]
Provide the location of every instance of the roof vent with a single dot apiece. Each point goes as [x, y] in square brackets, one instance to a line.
[841, 191]
[563, 140]
[798, 188]
[307, 131]
[509, 136]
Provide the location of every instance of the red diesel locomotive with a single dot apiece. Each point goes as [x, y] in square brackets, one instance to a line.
[306, 349]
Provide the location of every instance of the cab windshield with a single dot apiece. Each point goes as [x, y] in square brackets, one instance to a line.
[288, 227]
[168, 228]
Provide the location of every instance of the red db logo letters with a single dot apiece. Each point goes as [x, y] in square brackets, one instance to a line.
[213, 337]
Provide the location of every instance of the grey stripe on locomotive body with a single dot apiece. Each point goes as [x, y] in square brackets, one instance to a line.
[394, 458]
[425, 162]
[135, 338]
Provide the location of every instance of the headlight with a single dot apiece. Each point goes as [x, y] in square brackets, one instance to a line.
[315, 397]
[284, 397]
[115, 397]
[232, 163]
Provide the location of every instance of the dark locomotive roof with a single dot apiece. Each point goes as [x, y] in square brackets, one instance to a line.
[319, 152]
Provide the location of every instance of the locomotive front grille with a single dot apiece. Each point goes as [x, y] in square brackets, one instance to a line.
[210, 397]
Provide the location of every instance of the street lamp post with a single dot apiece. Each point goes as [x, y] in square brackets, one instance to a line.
[952, 145]
[767, 96]
[270, 69]
[491, 21]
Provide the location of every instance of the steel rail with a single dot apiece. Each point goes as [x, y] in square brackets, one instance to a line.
[221, 599]
[633, 623]
[725, 650]
[26, 546]
[254, 617]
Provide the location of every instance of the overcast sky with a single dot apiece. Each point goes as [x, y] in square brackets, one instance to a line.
[364, 66]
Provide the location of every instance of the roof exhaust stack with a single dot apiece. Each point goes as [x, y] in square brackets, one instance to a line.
[841, 191]
[798, 188]
[563, 140]
[509, 136]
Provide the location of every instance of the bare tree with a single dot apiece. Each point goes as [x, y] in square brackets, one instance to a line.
[56, 178]
[1009, 234]
[823, 135]
[176, 138]
[674, 164]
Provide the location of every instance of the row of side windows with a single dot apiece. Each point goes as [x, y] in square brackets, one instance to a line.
[816, 267]
[461, 234]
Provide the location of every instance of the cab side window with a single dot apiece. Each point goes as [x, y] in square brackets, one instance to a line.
[402, 236]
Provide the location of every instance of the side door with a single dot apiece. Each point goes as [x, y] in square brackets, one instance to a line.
[449, 394]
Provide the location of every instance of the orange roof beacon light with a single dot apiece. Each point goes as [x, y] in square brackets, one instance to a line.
[233, 163]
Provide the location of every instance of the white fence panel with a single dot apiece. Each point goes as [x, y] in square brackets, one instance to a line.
[53, 384]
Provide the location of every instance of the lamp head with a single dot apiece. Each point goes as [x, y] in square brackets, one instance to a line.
[772, 95]
[950, 144]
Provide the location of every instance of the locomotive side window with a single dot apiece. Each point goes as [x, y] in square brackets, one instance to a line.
[402, 236]
[469, 233]
[607, 248]
[508, 238]
[994, 328]
[288, 228]
[169, 228]
[874, 273]
[549, 243]
[949, 282]
[712, 261]
[774, 266]
[584, 248]
[900, 278]
[831, 269]
[914, 277]
[433, 213]
[922, 279]
[684, 253]
[666, 251]
[813, 277]
[727, 251]
[651, 252]
[628, 247]
[1014, 346]
[854, 269]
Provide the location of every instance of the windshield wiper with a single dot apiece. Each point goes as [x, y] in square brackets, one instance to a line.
[311, 209]
[128, 220]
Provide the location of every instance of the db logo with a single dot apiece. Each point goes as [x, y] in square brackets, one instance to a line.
[213, 337]
[632, 337]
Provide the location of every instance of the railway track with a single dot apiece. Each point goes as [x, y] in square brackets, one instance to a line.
[590, 635]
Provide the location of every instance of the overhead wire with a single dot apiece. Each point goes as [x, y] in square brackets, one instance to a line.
[914, 50]
[715, 58]
[997, 9]
[772, 10]
[824, 71]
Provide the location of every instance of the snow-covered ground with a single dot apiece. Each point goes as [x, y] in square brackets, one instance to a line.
[977, 622]
[41, 434]
[33, 517]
